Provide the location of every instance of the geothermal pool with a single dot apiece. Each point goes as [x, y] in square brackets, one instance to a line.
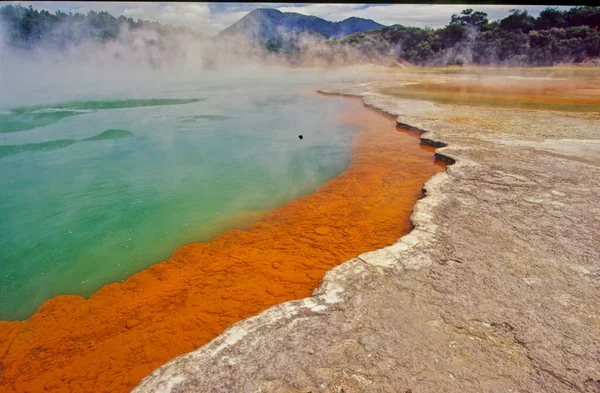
[96, 186]
[350, 186]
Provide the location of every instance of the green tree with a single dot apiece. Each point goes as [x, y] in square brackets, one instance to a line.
[584, 16]
[452, 34]
[518, 20]
[550, 18]
[469, 18]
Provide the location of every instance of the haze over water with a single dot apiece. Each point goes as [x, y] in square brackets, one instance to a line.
[99, 181]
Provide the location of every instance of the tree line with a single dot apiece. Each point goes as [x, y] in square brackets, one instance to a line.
[26, 28]
[555, 36]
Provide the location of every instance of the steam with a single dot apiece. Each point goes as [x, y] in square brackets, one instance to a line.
[164, 164]
[149, 53]
[145, 62]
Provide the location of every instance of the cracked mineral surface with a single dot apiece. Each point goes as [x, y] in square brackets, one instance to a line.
[494, 290]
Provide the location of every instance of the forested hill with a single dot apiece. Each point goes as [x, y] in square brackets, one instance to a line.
[470, 38]
[266, 24]
[27, 27]
[555, 36]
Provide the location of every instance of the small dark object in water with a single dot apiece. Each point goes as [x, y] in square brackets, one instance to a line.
[300, 136]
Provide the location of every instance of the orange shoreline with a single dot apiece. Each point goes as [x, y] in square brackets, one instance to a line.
[109, 342]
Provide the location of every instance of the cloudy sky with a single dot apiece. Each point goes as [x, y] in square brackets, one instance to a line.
[210, 18]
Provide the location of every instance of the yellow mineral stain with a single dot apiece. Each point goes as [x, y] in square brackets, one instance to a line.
[577, 95]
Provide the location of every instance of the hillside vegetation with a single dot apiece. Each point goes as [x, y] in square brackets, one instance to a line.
[266, 24]
[555, 36]
[26, 28]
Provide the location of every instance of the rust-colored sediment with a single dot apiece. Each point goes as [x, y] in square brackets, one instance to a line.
[109, 342]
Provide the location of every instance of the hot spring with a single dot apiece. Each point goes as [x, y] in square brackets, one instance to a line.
[98, 184]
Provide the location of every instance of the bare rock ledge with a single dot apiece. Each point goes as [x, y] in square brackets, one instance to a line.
[495, 290]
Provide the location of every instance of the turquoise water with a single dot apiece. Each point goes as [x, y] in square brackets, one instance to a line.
[93, 190]
[19, 119]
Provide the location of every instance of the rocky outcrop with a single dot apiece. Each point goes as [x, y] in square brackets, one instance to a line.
[494, 290]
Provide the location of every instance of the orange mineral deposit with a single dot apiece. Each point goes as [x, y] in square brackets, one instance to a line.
[110, 341]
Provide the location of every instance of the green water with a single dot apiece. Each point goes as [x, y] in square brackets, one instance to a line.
[110, 134]
[19, 119]
[6, 150]
[97, 189]
[189, 119]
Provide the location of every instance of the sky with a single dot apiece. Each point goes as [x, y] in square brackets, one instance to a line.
[210, 18]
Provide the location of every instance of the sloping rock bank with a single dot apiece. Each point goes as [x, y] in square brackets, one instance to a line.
[495, 290]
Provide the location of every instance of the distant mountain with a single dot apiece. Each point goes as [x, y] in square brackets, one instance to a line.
[265, 24]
